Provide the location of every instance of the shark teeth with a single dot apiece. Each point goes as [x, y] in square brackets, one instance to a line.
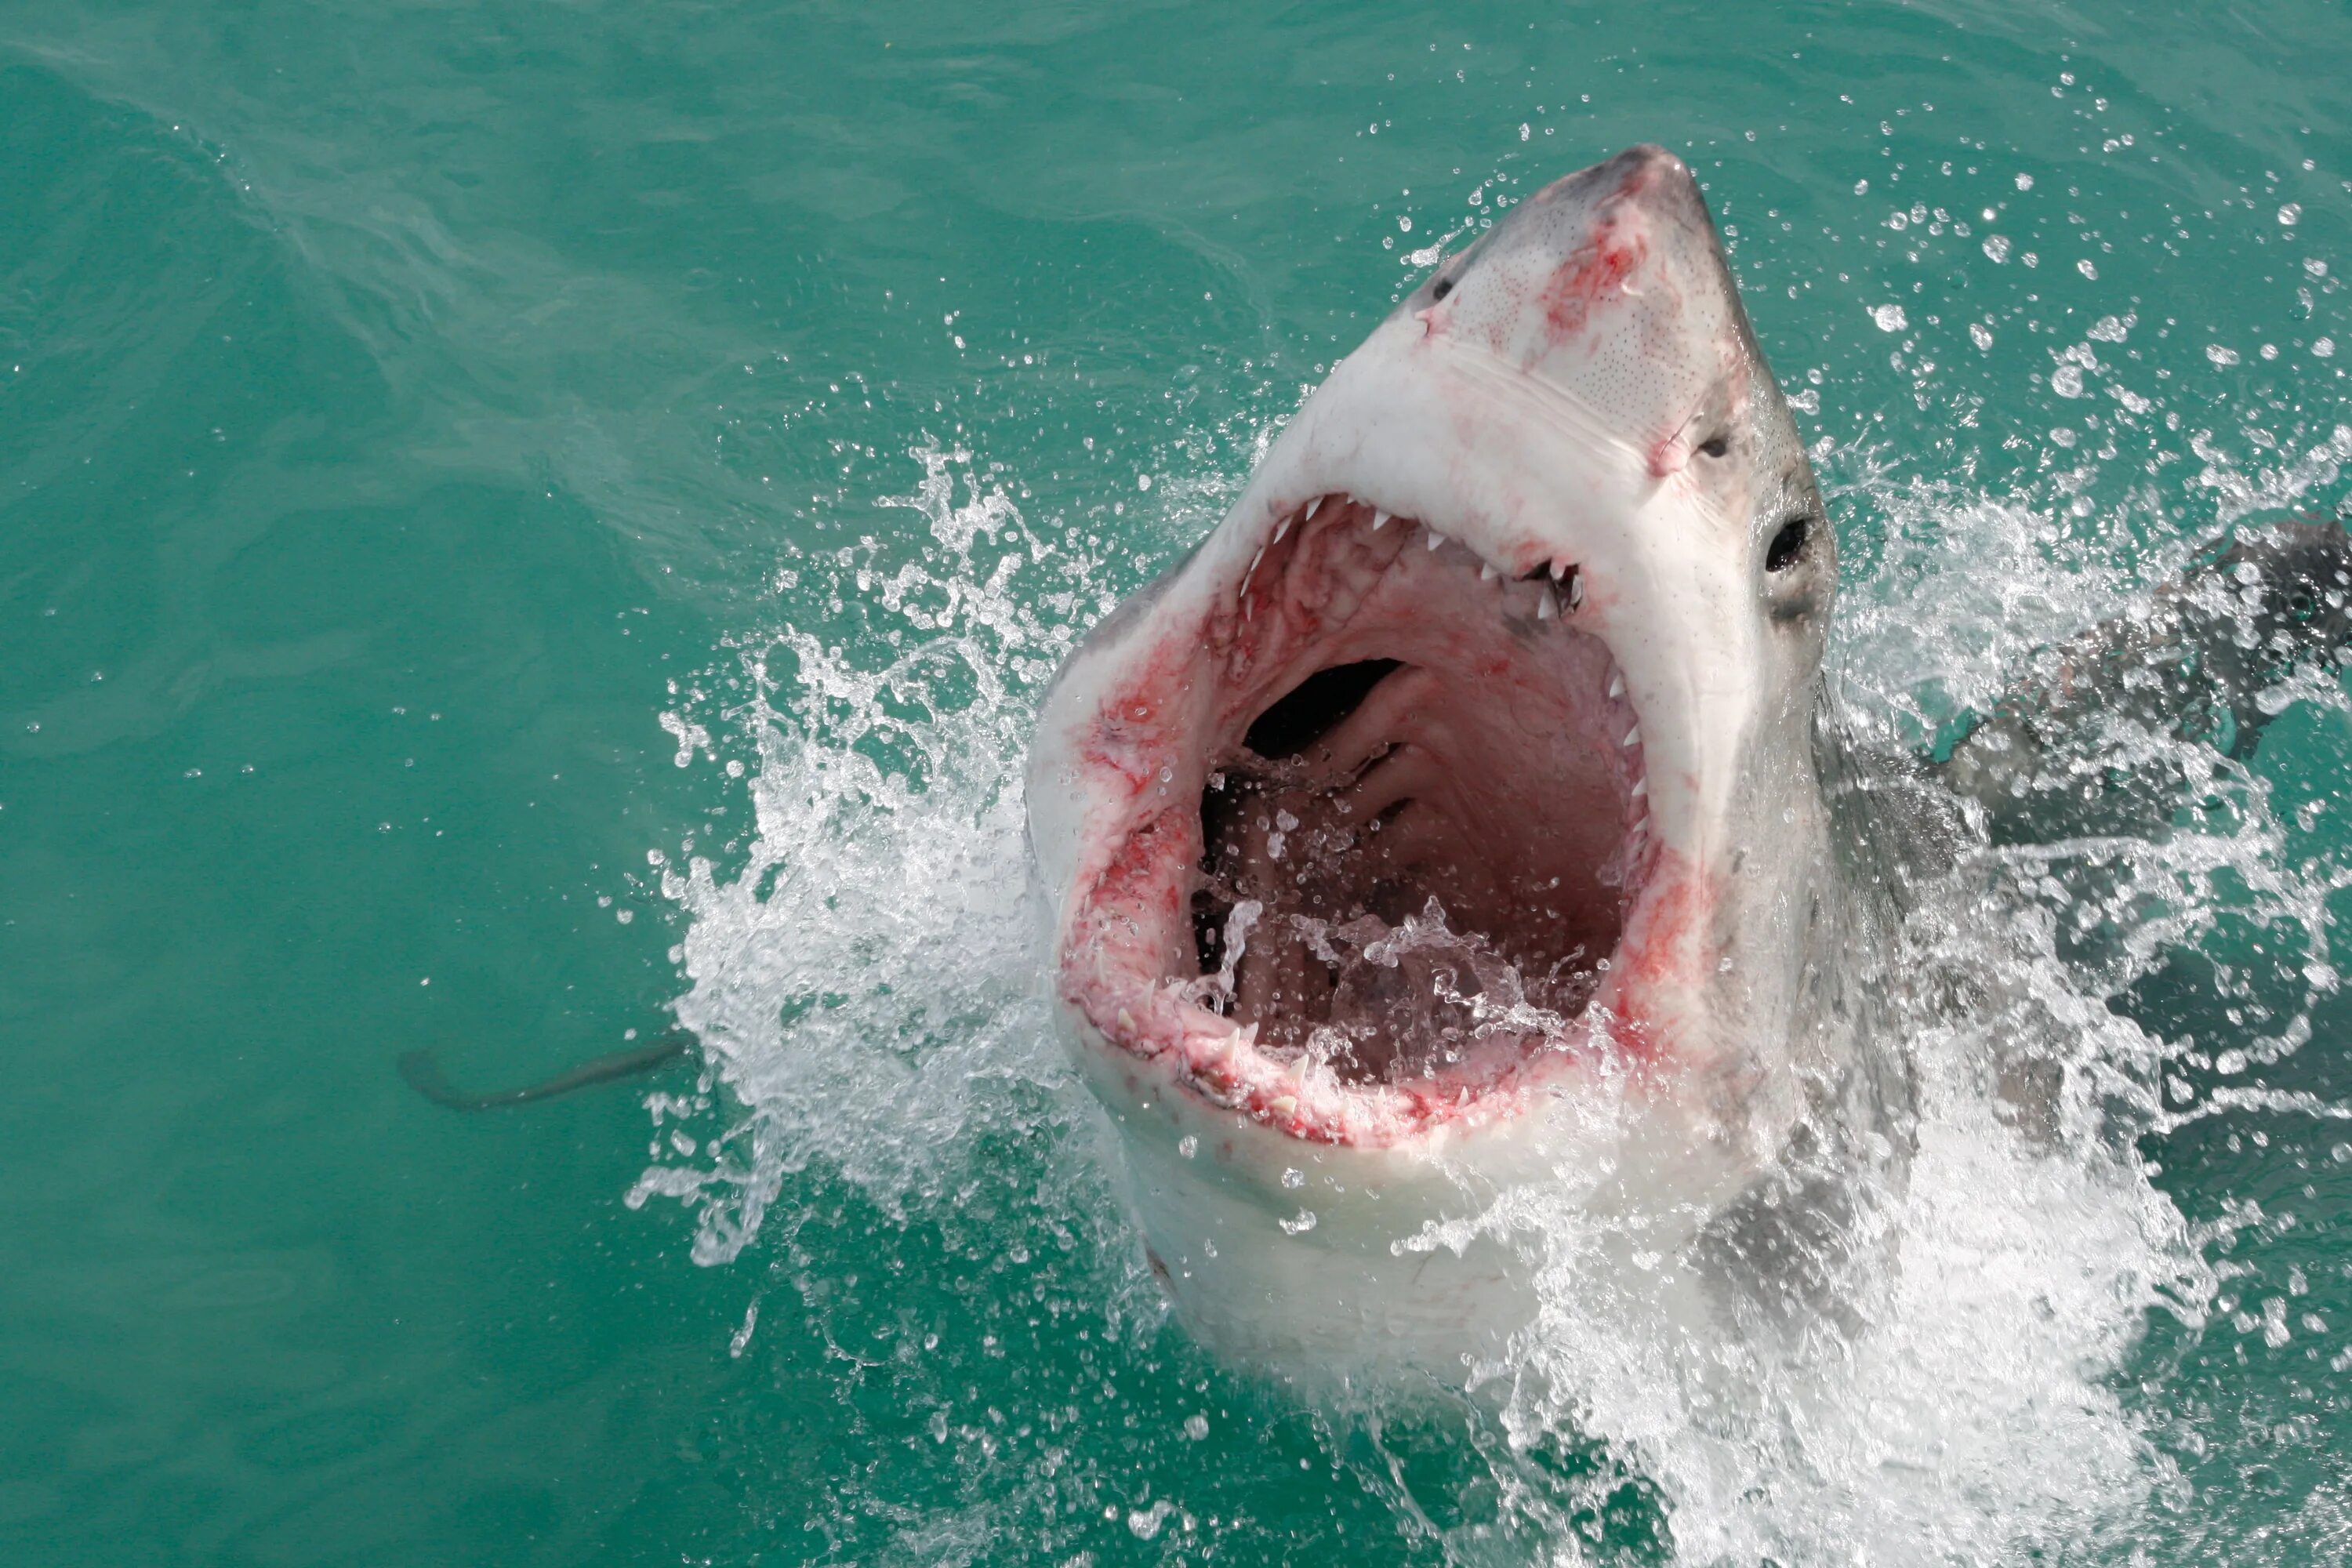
[1435, 539]
[1633, 738]
[1380, 520]
[1486, 573]
[1312, 507]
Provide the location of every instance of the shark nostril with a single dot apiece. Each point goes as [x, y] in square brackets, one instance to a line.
[1445, 287]
[1715, 447]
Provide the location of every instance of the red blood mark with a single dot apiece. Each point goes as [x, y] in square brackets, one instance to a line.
[1137, 875]
[1665, 457]
[1659, 954]
[1595, 274]
[1673, 917]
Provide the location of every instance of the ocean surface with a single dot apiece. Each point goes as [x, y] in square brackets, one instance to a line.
[526, 527]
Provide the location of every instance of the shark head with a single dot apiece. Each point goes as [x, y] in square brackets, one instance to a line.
[1450, 816]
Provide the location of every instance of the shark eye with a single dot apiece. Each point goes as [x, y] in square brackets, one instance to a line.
[1445, 287]
[1788, 544]
[1715, 447]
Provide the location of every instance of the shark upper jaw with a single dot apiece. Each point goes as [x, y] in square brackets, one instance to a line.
[1342, 709]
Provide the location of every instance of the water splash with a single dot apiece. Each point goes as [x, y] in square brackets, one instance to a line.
[865, 975]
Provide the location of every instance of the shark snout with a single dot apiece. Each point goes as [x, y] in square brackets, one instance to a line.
[1644, 195]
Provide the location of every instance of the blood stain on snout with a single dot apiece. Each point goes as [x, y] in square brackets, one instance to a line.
[1595, 273]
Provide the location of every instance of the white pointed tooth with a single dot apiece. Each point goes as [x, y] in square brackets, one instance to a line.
[1545, 608]
[1435, 539]
[1486, 573]
[1641, 787]
[1313, 506]
[1632, 737]
[1280, 529]
[1380, 520]
[1559, 570]
[1616, 684]
[1576, 592]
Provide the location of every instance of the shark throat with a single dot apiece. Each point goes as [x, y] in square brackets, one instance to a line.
[1405, 817]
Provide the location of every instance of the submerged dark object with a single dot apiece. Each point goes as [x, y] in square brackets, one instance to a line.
[424, 1075]
[2067, 752]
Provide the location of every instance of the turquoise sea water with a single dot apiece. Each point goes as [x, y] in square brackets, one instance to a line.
[525, 523]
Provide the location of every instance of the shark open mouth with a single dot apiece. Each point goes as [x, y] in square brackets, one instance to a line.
[1392, 819]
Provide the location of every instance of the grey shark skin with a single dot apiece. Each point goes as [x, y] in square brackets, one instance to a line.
[1467, 812]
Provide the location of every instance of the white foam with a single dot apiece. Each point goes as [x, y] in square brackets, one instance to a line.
[867, 980]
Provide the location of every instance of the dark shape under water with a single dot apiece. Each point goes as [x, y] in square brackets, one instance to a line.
[424, 1075]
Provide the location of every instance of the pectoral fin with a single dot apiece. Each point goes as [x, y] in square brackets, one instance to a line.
[2083, 745]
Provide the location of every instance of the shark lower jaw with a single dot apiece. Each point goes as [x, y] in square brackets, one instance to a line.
[1374, 860]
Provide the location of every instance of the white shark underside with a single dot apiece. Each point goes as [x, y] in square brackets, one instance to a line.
[1453, 818]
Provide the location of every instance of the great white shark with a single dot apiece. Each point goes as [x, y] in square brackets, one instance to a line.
[1467, 810]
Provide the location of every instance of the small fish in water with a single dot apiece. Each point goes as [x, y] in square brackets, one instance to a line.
[1468, 808]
